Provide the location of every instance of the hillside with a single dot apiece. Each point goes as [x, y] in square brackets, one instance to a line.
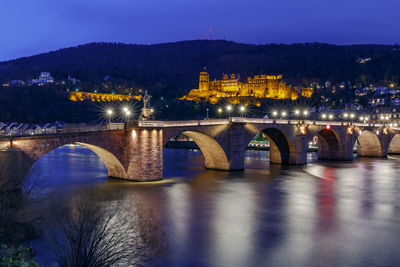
[170, 70]
[176, 65]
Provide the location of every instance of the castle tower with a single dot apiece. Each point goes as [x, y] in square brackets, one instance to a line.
[204, 81]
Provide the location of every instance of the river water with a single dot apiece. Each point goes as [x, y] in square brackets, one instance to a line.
[320, 214]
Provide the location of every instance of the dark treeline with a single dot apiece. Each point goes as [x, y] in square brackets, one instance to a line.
[170, 70]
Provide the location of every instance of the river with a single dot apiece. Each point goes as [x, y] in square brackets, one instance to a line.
[320, 214]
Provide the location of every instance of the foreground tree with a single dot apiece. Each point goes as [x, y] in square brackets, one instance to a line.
[18, 213]
[93, 233]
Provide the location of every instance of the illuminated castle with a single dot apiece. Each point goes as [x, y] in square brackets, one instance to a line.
[257, 87]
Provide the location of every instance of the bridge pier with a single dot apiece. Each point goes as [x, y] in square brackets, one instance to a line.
[237, 146]
[145, 154]
[394, 147]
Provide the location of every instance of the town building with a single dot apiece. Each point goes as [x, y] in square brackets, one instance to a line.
[44, 78]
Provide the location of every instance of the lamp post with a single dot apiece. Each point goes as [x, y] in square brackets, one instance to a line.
[109, 114]
[242, 110]
[352, 116]
[220, 112]
[345, 115]
[126, 113]
[305, 114]
[297, 113]
[229, 110]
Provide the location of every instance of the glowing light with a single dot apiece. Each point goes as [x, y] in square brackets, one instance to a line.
[134, 133]
[323, 116]
[352, 115]
[283, 113]
[229, 108]
[219, 110]
[151, 110]
[345, 115]
[109, 112]
[328, 126]
[297, 112]
[361, 118]
[125, 109]
[242, 108]
[275, 113]
[305, 112]
[330, 116]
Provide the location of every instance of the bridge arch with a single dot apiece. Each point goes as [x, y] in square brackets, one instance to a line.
[330, 145]
[113, 165]
[369, 144]
[282, 149]
[213, 153]
[35, 150]
[394, 145]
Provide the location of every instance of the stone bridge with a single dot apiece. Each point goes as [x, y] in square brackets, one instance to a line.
[135, 151]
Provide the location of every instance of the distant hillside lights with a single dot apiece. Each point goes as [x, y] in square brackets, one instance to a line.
[257, 87]
[44, 78]
[98, 97]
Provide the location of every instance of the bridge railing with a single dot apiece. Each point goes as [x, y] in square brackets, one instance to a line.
[182, 123]
[162, 124]
[52, 131]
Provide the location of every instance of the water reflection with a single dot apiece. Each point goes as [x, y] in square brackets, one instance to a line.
[324, 213]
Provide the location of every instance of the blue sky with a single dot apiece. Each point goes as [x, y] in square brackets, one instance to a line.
[29, 27]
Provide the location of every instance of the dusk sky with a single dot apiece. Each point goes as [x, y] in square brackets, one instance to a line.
[34, 26]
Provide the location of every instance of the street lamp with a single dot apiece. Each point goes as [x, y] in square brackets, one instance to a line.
[330, 116]
[284, 114]
[274, 113]
[220, 112]
[297, 112]
[305, 113]
[242, 110]
[109, 114]
[323, 116]
[126, 113]
[345, 115]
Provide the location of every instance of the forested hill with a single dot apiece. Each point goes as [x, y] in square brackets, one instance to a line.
[173, 67]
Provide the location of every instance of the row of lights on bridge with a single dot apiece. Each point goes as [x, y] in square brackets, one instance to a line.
[229, 109]
[126, 112]
[296, 112]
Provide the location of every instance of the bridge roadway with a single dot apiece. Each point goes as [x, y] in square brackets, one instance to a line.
[134, 150]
